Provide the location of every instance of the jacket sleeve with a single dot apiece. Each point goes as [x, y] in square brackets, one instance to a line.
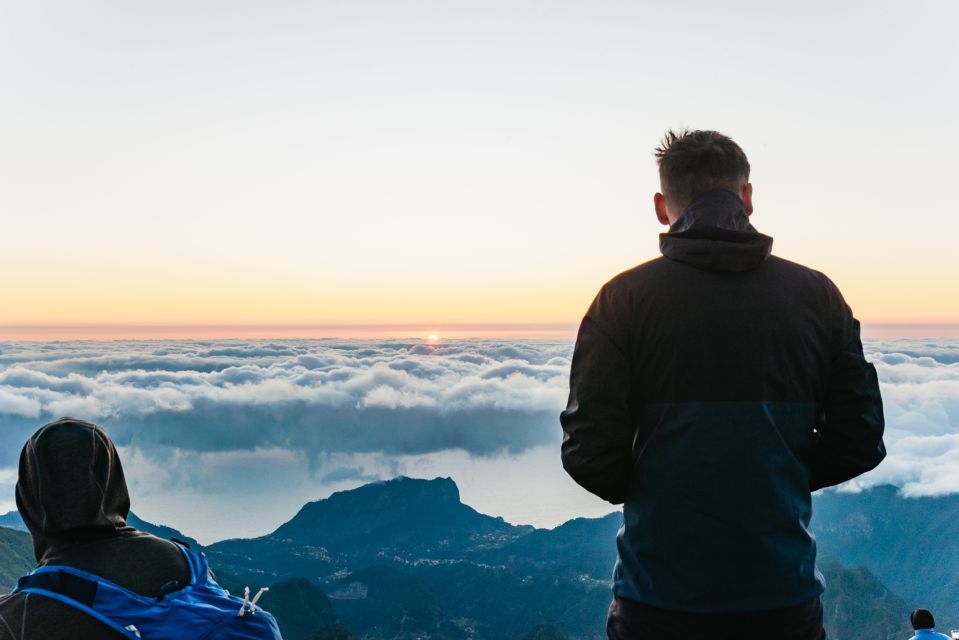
[597, 430]
[849, 441]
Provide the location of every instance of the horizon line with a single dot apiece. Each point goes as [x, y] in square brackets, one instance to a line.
[30, 332]
[266, 331]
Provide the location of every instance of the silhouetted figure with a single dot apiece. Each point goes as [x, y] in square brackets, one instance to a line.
[711, 391]
[925, 626]
[72, 495]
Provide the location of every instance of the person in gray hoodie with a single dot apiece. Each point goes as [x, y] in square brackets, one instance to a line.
[73, 497]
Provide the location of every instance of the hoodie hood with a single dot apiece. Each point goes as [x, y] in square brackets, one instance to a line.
[71, 487]
[714, 233]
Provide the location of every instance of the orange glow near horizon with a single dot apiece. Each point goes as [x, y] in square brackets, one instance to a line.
[504, 331]
[463, 301]
[153, 306]
[53, 332]
[86, 297]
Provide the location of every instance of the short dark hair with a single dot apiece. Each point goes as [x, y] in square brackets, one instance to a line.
[922, 619]
[694, 162]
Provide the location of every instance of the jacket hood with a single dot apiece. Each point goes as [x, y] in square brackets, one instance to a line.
[71, 487]
[714, 233]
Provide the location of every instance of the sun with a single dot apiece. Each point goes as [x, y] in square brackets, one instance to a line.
[432, 338]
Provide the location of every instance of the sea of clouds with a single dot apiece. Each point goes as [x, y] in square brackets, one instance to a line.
[402, 397]
[920, 391]
[281, 422]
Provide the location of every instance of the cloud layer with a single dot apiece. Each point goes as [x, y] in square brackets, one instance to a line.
[920, 390]
[310, 396]
[301, 418]
[319, 397]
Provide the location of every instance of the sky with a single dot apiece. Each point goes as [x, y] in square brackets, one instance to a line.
[227, 169]
[230, 438]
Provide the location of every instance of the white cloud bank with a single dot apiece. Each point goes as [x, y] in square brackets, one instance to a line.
[318, 397]
[207, 427]
[920, 390]
[207, 423]
[401, 397]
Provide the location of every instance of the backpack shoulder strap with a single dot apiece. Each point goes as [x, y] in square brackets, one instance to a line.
[199, 568]
[72, 587]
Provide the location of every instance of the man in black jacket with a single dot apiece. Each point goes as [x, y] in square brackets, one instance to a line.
[711, 391]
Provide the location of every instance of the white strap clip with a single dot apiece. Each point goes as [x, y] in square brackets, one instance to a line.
[249, 606]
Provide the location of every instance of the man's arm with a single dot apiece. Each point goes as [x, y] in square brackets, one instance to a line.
[850, 437]
[598, 433]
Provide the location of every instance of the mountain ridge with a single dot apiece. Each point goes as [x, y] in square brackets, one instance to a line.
[399, 520]
[13, 520]
[405, 558]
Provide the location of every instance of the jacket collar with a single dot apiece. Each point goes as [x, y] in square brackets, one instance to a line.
[714, 233]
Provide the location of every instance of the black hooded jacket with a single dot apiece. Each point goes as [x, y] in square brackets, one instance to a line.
[73, 497]
[711, 391]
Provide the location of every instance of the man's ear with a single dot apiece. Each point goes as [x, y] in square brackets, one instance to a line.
[659, 201]
[747, 197]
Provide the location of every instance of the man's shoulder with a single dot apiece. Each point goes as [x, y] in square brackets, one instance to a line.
[652, 270]
[640, 273]
[777, 262]
[798, 276]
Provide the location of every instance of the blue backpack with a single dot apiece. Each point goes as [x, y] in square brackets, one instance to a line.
[202, 610]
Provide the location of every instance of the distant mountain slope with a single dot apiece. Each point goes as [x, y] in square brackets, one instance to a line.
[300, 607]
[16, 557]
[404, 518]
[421, 517]
[543, 632]
[508, 600]
[12, 520]
[584, 546]
[908, 543]
[857, 605]
[384, 602]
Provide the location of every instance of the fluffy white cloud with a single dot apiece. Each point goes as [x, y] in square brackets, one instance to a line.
[920, 389]
[311, 396]
[181, 404]
[16, 404]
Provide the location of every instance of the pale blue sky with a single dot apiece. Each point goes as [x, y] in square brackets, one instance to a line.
[454, 161]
